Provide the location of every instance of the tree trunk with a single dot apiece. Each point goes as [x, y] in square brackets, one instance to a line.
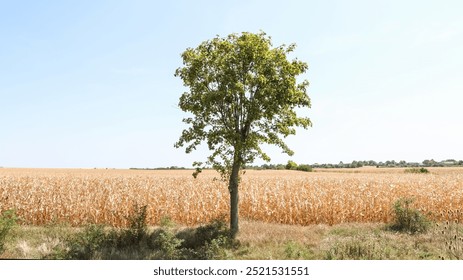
[234, 199]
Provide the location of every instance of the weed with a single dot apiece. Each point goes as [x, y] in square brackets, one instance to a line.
[452, 233]
[356, 249]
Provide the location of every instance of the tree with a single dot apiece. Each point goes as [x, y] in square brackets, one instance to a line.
[291, 165]
[242, 93]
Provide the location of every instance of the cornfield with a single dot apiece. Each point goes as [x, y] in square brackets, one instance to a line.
[80, 196]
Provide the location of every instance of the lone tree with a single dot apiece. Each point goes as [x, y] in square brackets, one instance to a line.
[242, 93]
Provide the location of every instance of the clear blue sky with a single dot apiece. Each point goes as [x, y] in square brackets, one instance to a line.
[91, 84]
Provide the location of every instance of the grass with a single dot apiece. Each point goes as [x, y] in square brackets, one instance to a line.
[91, 242]
[257, 240]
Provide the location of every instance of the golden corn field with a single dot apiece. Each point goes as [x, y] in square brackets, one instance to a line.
[81, 196]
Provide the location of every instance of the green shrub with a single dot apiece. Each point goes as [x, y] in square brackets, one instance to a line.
[97, 242]
[7, 221]
[87, 244]
[137, 230]
[407, 219]
[210, 241]
[291, 165]
[217, 229]
[304, 167]
[216, 249]
[167, 222]
[165, 242]
[168, 244]
[421, 170]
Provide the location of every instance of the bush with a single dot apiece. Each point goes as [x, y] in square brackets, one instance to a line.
[165, 242]
[408, 219]
[97, 242]
[217, 229]
[137, 230]
[216, 249]
[86, 245]
[304, 167]
[417, 170]
[291, 165]
[168, 244]
[7, 221]
[210, 241]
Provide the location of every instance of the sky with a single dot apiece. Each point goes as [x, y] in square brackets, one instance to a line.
[87, 84]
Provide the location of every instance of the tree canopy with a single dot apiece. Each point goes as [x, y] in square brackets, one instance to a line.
[242, 94]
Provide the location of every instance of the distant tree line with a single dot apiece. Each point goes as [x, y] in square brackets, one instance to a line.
[355, 164]
[291, 165]
[159, 168]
